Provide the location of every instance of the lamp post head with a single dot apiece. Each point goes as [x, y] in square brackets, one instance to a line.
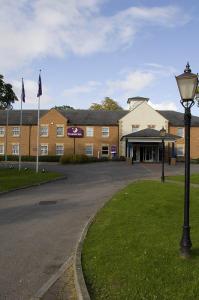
[187, 84]
[162, 132]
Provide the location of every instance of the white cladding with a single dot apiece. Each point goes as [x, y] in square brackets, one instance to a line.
[142, 115]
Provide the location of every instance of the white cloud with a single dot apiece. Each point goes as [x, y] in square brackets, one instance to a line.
[167, 105]
[33, 29]
[31, 89]
[77, 90]
[134, 82]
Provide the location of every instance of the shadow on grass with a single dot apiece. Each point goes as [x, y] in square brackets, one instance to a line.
[194, 253]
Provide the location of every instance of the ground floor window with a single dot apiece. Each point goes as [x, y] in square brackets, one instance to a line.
[1, 149]
[59, 149]
[44, 149]
[180, 150]
[105, 150]
[15, 149]
[89, 150]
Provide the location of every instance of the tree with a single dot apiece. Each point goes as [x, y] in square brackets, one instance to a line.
[64, 107]
[106, 104]
[7, 95]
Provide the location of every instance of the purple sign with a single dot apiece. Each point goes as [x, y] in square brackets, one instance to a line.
[75, 132]
[113, 149]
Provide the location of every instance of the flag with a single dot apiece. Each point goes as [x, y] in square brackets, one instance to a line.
[39, 87]
[23, 96]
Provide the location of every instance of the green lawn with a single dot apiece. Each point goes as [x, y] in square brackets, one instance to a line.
[132, 249]
[12, 178]
[194, 178]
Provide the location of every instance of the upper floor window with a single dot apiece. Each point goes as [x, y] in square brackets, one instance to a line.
[16, 131]
[44, 130]
[15, 149]
[60, 130]
[1, 149]
[44, 149]
[2, 131]
[89, 131]
[105, 131]
[152, 126]
[180, 131]
[89, 150]
[135, 128]
[59, 149]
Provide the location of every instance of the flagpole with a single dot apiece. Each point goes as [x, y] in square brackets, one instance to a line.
[38, 121]
[6, 135]
[38, 125]
[20, 138]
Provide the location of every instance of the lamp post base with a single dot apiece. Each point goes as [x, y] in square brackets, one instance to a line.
[185, 244]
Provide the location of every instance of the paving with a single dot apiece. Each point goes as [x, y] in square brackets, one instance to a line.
[36, 238]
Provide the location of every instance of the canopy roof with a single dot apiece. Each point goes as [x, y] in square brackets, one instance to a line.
[149, 134]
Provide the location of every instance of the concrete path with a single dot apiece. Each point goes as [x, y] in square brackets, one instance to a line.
[37, 238]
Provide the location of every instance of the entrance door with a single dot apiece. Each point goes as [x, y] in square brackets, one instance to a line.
[148, 154]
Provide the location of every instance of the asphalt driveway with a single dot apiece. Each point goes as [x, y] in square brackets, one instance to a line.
[37, 237]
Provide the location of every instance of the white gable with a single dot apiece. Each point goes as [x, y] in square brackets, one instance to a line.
[143, 116]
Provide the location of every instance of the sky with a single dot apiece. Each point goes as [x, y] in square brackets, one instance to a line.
[92, 49]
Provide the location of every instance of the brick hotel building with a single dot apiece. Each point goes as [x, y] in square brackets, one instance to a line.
[130, 133]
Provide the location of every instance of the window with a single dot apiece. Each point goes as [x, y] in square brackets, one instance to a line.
[16, 131]
[44, 149]
[2, 131]
[135, 128]
[105, 150]
[89, 131]
[105, 131]
[15, 149]
[59, 149]
[1, 149]
[151, 126]
[180, 131]
[44, 130]
[60, 130]
[89, 150]
[180, 150]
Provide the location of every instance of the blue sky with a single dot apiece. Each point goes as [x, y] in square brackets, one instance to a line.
[90, 49]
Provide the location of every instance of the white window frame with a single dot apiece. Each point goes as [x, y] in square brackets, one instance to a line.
[180, 146]
[105, 132]
[42, 153]
[89, 145]
[15, 151]
[15, 131]
[59, 126]
[3, 149]
[180, 128]
[135, 128]
[105, 155]
[58, 145]
[2, 131]
[89, 131]
[43, 134]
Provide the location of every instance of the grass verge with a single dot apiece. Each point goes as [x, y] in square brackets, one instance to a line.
[132, 248]
[12, 178]
[194, 178]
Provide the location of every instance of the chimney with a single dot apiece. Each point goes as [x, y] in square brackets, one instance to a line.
[135, 101]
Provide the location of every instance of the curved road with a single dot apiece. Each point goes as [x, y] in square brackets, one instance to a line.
[37, 237]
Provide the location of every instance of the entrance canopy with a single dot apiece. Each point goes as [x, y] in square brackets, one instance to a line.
[149, 135]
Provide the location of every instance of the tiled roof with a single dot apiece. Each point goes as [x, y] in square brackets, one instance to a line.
[151, 133]
[93, 117]
[29, 117]
[177, 118]
[90, 117]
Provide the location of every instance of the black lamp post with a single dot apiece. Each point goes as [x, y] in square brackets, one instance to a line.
[187, 84]
[162, 134]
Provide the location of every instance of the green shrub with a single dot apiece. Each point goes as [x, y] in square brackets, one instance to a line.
[80, 159]
[44, 158]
